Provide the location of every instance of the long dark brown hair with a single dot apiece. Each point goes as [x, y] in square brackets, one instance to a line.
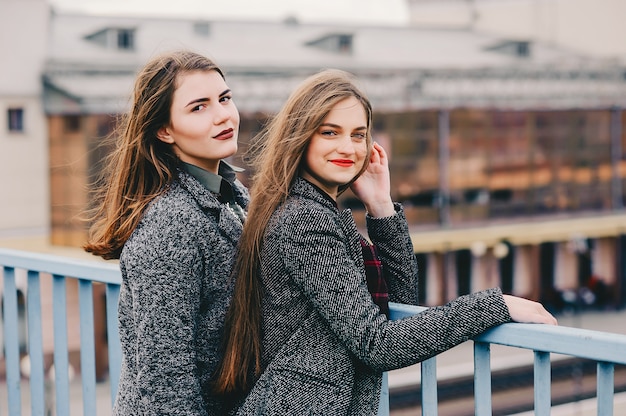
[141, 166]
[276, 155]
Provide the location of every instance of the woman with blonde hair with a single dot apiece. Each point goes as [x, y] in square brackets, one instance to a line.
[307, 331]
[172, 211]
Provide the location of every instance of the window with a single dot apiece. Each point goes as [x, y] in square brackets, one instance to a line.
[125, 39]
[519, 48]
[337, 42]
[16, 120]
[114, 38]
[344, 43]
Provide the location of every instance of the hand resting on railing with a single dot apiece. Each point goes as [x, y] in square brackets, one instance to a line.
[527, 311]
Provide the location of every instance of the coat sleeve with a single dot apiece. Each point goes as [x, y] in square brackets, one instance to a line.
[317, 259]
[164, 270]
[395, 249]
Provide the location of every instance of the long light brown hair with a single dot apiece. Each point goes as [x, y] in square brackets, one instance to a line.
[276, 155]
[141, 166]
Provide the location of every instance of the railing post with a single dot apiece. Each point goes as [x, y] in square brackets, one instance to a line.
[61, 359]
[428, 370]
[383, 405]
[542, 383]
[482, 379]
[113, 338]
[605, 387]
[87, 346]
[35, 345]
[11, 341]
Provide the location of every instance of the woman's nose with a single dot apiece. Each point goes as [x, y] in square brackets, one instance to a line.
[221, 114]
[346, 146]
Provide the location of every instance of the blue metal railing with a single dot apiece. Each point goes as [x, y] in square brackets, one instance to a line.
[38, 267]
[604, 348]
[607, 349]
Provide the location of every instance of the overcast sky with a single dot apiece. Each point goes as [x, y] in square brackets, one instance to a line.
[384, 12]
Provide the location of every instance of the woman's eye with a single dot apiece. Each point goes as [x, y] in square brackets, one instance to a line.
[198, 108]
[360, 136]
[328, 133]
[226, 98]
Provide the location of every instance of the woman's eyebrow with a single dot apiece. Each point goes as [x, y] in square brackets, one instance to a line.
[204, 99]
[197, 100]
[339, 127]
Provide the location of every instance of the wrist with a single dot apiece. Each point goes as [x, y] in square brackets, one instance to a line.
[381, 209]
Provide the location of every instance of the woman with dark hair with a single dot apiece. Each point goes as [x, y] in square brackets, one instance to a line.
[172, 211]
[307, 330]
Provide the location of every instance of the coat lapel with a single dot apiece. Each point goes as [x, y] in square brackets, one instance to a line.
[227, 221]
[346, 220]
[353, 237]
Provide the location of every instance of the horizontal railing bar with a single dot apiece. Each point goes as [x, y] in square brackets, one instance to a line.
[65, 266]
[582, 343]
[401, 310]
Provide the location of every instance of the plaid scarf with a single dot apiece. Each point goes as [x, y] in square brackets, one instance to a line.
[376, 283]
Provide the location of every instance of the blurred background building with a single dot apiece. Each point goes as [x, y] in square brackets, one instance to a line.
[504, 121]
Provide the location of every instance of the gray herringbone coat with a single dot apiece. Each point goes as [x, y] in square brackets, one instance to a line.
[176, 290]
[325, 344]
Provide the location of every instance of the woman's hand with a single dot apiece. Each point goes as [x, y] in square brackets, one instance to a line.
[527, 311]
[373, 186]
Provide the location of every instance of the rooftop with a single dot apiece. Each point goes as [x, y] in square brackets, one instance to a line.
[92, 60]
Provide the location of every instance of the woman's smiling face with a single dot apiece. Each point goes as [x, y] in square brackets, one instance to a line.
[204, 121]
[336, 152]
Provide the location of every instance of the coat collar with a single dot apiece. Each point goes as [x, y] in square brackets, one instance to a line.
[205, 198]
[306, 189]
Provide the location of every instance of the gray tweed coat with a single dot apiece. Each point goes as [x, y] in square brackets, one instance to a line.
[176, 289]
[325, 344]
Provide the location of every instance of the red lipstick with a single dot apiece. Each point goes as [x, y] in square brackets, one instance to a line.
[225, 134]
[344, 163]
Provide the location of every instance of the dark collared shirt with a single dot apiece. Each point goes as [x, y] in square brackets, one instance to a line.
[220, 184]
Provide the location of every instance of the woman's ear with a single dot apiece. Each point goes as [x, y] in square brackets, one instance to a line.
[164, 135]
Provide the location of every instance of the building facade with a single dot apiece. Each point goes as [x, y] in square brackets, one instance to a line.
[485, 133]
[24, 189]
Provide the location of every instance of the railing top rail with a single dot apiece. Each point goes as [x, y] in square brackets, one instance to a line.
[60, 265]
[583, 343]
